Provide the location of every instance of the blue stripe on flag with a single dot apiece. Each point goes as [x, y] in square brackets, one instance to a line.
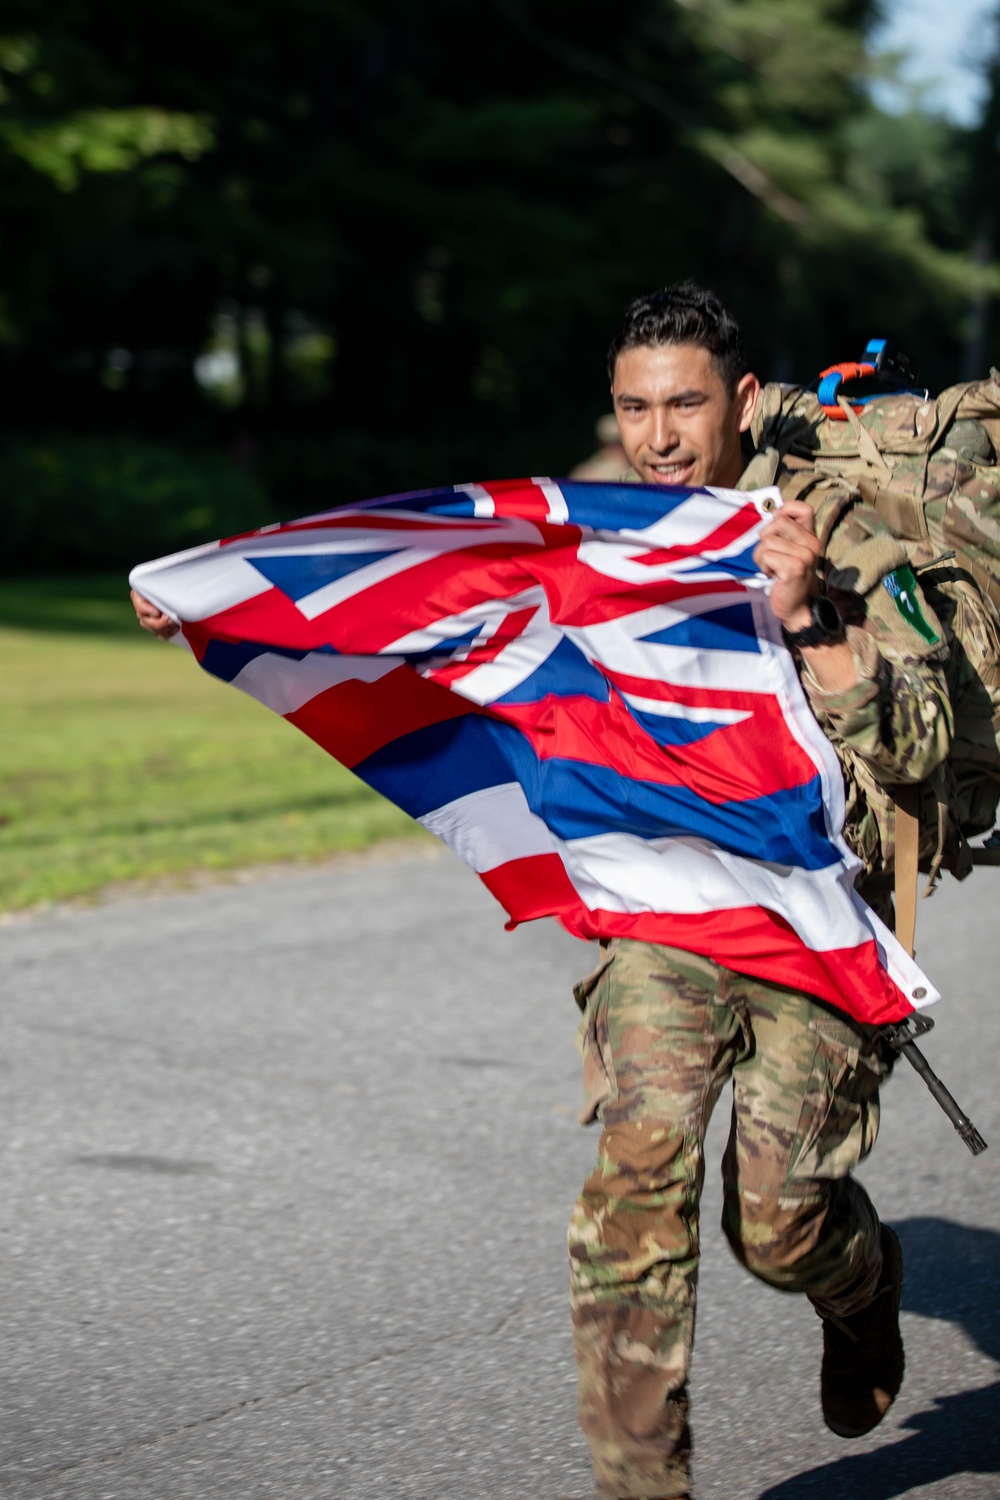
[729, 629]
[303, 573]
[565, 673]
[448, 645]
[740, 565]
[456, 505]
[620, 507]
[226, 659]
[671, 729]
[431, 767]
[447, 502]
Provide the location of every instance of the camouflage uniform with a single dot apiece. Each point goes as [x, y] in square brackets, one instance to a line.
[664, 1030]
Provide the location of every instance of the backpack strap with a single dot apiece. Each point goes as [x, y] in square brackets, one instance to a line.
[868, 449]
[989, 585]
[947, 406]
[907, 802]
[762, 470]
[829, 506]
[903, 514]
[767, 413]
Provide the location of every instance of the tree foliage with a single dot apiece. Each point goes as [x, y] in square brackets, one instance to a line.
[365, 246]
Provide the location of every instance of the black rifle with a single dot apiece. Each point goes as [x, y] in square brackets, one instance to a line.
[899, 1038]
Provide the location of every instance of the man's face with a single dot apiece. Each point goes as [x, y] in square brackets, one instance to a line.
[679, 423]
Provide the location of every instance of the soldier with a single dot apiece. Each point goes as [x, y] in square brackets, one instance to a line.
[663, 1030]
[609, 462]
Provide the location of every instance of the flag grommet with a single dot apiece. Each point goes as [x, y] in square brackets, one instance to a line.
[919, 993]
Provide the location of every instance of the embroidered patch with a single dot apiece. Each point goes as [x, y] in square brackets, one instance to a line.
[903, 587]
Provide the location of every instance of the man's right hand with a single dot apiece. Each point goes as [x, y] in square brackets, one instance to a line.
[153, 619]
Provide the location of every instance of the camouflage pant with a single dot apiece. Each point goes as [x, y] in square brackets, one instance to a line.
[662, 1032]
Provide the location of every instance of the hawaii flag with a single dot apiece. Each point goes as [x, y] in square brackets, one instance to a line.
[582, 690]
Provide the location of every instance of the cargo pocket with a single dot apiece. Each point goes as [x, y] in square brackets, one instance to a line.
[592, 1041]
[839, 1120]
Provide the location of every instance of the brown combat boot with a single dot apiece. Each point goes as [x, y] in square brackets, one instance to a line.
[863, 1354]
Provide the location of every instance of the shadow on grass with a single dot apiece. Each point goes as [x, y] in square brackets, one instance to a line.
[953, 1274]
[77, 604]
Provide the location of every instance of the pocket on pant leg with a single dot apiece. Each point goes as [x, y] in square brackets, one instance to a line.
[839, 1119]
[593, 1043]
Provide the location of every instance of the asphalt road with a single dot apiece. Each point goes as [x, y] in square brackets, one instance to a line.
[287, 1169]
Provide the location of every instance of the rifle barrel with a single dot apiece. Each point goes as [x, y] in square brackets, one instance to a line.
[970, 1135]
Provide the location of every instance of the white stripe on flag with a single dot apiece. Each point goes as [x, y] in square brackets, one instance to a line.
[482, 501]
[671, 710]
[200, 588]
[491, 827]
[513, 665]
[558, 509]
[693, 876]
[686, 876]
[286, 685]
[724, 671]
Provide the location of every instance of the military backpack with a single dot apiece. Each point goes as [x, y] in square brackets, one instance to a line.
[929, 469]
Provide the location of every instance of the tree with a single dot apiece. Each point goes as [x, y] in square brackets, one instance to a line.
[392, 239]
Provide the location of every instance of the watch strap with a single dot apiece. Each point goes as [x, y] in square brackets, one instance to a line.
[825, 625]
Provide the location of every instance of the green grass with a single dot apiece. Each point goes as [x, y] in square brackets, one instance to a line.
[89, 605]
[121, 760]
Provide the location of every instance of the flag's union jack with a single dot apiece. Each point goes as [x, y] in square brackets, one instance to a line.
[582, 690]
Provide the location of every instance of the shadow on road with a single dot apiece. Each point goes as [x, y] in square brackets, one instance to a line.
[952, 1273]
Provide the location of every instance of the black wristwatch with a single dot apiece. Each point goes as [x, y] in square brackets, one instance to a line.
[826, 625]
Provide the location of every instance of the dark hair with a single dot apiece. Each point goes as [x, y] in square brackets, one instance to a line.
[683, 314]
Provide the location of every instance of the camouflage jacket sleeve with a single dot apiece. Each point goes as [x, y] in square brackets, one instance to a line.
[897, 717]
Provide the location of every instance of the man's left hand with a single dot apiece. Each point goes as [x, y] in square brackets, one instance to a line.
[787, 552]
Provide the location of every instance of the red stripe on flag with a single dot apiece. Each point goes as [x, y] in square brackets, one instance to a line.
[518, 498]
[580, 595]
[723, 536]
[537, 886]
[269, 619]
[757, 942]
[747, 940]
[754, 758]
[198, 639]
[354, 719]
[684, 693]
[420, 596]
[509, 629]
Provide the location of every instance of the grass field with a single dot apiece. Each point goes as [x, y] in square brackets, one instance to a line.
[120, 760]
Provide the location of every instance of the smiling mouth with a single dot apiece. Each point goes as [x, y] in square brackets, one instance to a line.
[671, 473]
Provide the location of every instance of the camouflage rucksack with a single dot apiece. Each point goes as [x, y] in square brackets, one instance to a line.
[929, 468]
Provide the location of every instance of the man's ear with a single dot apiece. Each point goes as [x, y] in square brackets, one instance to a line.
[746, 398]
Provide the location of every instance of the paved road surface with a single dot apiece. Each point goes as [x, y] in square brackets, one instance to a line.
[287, 1170]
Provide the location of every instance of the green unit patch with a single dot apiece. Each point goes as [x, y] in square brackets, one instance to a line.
[903, 587]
